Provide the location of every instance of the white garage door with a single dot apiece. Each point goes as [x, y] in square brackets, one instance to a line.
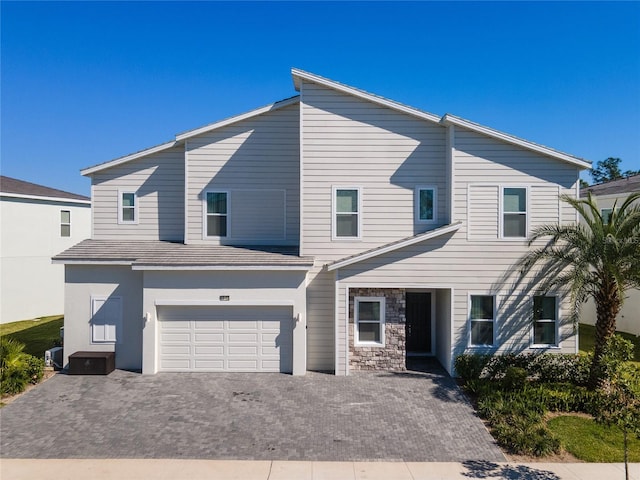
[225, 339]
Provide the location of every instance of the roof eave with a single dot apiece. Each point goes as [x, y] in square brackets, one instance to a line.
[449, 119]
[395, 246]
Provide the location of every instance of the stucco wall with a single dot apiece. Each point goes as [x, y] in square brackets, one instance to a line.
[30, 285]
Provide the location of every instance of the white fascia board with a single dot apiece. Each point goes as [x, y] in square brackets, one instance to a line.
[128, 158]
[45, 199]
[302, 75]
[395, 246]
[224, 303]
[223, 123]
[296, 268]
[91, 262]
[453, 120]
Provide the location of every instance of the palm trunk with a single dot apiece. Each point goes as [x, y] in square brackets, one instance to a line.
[607, 308]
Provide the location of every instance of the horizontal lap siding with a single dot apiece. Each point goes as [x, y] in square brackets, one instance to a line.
[347, 141]
[320, 324]
[158, 180]
[257, 154]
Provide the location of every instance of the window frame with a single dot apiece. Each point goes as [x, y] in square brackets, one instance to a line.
[416, 203]
[602, 210]
[556, 322]
[356, 321]
[65, 224]
[335, 213]
[501, 222]
[205, 215]
[117, 325]
[493, 321]
[136, 210]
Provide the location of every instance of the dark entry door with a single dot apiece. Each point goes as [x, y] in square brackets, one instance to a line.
[418, 322]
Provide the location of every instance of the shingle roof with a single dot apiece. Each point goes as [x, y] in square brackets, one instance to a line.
[623, 185]
[149, 253]
[20, 187]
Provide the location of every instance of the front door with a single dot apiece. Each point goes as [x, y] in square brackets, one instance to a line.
[418, 327]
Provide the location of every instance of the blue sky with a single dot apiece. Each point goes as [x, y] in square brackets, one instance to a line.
[86, 82]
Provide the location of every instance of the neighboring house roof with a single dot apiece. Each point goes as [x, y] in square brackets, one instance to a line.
[12, 187]
[299, 75]
[613, 187]
[181, 137]
[390, 247]
[160, 255]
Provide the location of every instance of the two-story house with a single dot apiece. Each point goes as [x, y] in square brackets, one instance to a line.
[335, 230]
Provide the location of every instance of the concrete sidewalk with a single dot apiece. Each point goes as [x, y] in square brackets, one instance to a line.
[130, 469]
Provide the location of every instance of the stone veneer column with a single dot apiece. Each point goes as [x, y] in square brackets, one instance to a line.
[392, 355]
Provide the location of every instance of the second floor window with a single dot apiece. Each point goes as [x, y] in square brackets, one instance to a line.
[128, 211]
[217, 214]
[65, 223]
[346, 213]
[514, 212]
[606, 214]
[425, 204]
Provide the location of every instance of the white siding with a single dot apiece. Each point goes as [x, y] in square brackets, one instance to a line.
[30, 285]
[257, 162]
[350, 142]
[158, 180]
[320, 319]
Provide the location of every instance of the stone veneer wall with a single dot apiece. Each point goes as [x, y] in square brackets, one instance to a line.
[392, 355]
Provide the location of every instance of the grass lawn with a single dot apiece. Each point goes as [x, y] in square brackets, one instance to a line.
[38, 335]
[591, 442]
[587, 340]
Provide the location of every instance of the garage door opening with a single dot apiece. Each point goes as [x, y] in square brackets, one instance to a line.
[225, 339]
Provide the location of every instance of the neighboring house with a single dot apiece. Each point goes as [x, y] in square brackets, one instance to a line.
[336, 230]
[607, 194]
[36, 223]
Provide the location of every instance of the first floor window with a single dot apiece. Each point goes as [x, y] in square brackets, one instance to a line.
[425, 200]
[65, 223]
[106, 319]
[347, 213]
[128, 207]
[544, 320]
[482, 319]
[514, 212]
[369, 320]
[217, 214]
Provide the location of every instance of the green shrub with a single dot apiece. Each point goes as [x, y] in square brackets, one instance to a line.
[521, 436]
[470, 366]
[514, 378]
[34, 369]
[17, 369]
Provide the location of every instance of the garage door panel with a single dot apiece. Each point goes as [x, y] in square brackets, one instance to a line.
[242, 339]
[202, 337]
[209, 324]
[209, 350]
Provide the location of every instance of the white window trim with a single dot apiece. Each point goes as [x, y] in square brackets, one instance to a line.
[527, 214]
[118, 338]
[416, 203]
[62, 224]
[356, 321]
[204, 215]
[532, 337]
[494, 320]
[334, 191]
[136, 208]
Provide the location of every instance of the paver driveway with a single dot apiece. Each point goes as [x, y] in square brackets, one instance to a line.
[412, 416]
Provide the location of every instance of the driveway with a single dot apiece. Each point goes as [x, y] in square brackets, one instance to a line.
[412, 416]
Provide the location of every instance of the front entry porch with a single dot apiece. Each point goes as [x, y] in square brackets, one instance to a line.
[389, 328]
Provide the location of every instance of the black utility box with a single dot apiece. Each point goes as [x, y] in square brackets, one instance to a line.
[92, 363]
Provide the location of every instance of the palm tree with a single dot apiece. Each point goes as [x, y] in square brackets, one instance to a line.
[598, 258]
